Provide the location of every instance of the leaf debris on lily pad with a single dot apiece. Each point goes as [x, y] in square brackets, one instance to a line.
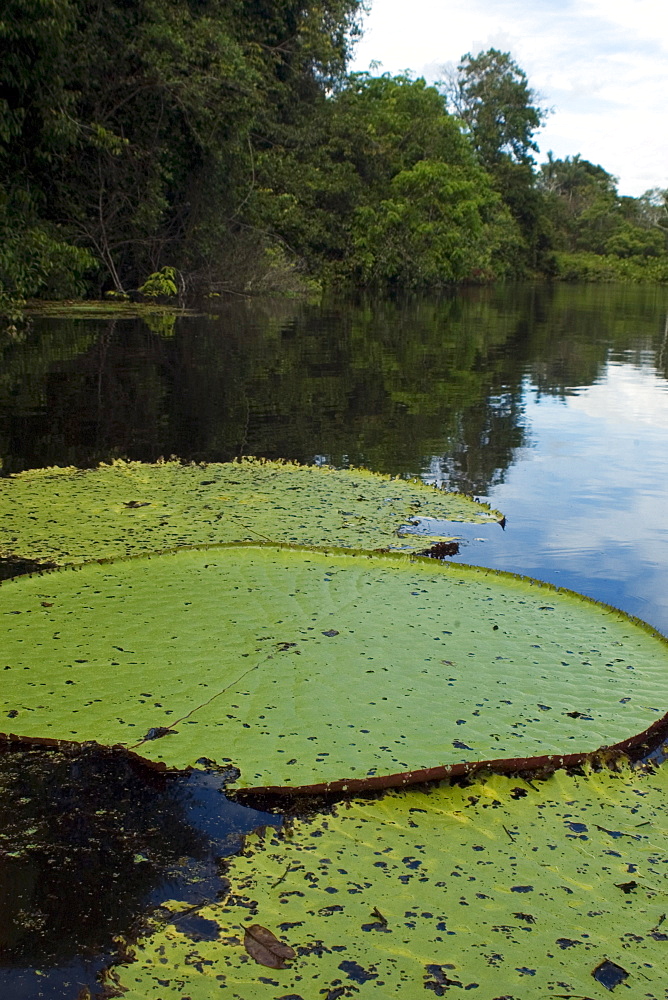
[263, 946]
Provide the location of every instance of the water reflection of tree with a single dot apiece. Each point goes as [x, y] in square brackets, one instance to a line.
[383, 383]
[479, 456]
[577, 331]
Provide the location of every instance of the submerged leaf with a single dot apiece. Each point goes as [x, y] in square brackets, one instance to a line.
[231, 650]
[72, 516]
[442, 871]
[262, 945]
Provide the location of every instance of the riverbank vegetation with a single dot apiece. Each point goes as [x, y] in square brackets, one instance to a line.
[180, 150]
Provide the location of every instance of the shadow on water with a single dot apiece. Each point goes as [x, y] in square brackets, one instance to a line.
[90, 842]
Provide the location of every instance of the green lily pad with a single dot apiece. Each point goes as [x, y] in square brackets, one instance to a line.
[505, 888]
[69, 516]
[321, 669]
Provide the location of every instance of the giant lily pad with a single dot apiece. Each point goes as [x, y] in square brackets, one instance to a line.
[322, 669]
[509, 889]
[71, 515]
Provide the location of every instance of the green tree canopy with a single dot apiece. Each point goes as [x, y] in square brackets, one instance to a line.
[491, 94]
[226, 143]
[587, 213]
[385, 187]
[130, 128]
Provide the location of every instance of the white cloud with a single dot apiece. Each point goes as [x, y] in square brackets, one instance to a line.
[628, 396]
[586, 503]
[601, 64]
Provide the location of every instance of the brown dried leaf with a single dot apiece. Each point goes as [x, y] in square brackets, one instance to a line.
[265, 947]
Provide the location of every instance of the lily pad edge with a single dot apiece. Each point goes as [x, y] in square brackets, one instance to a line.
[634, 747]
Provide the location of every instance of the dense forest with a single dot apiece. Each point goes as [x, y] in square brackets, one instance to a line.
[194, 148]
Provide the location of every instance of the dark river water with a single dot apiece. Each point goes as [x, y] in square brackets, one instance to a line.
[550, 402]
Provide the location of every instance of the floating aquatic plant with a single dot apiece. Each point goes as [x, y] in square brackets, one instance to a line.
[70, 515]
[309, 668]
[506, 888]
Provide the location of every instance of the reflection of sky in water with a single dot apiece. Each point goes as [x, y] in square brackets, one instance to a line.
[587, 501]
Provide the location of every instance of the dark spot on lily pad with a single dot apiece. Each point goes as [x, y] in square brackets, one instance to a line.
[199, 928]
[356, 972]
[158, 732]
[626, 887]
[439, 981]
[567, 943]
[441, 549]
[609, 974]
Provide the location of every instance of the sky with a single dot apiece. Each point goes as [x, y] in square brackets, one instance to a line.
[601, 66]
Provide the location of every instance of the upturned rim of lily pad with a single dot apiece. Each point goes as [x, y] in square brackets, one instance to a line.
[634, 747]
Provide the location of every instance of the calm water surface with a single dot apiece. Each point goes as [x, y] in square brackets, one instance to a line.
[551, 403]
